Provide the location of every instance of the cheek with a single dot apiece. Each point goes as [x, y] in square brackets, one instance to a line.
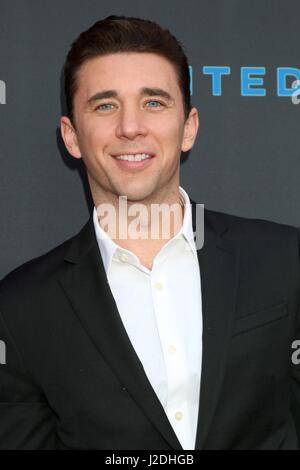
[93, 138]
[166, 129]
[172, 134]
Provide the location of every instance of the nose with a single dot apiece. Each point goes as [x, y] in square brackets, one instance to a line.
[131, 123]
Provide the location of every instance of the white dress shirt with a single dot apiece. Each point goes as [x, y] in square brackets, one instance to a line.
[161, 310]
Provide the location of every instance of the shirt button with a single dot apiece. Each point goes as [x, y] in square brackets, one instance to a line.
[178, 415]
[158, 285]
[172, 349]
[123, 257]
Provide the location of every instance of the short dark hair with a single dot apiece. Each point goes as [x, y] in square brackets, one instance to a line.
[125, 34]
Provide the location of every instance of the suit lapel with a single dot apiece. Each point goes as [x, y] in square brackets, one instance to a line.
[219, 262]
[85, 284]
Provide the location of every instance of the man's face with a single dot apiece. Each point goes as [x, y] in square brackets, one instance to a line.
[128, 104]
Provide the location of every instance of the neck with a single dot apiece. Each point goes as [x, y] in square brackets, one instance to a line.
[148, 222]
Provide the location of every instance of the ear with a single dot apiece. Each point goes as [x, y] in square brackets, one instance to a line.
[190, 130]
[69, 136]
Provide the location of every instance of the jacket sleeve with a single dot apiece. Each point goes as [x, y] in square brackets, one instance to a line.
[295, 403]
[26, 419]
[296, 380]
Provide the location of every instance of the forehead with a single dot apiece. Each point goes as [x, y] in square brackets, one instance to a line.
[126, 71]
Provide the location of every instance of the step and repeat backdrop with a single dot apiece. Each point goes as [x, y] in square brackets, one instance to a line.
[245, 69]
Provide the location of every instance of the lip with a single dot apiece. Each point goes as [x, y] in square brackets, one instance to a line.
[127, 165]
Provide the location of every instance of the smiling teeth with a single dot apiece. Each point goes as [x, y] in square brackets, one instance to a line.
[134, 158]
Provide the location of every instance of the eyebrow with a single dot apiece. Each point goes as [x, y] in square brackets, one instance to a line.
[146, 91]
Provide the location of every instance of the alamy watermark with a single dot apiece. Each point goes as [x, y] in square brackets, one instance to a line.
[2, 92]
[295, 95]
[137, 221]
[2, 352]
[296, 354]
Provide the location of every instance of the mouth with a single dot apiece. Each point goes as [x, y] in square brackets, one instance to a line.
[131, 161]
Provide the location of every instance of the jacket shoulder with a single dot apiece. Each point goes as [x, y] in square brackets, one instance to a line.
[35, 273]
[243, 228]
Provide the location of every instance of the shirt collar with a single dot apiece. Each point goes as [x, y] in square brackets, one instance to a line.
[108, 247]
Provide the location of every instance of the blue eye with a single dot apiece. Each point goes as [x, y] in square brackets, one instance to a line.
[155, 103]
[103, 106]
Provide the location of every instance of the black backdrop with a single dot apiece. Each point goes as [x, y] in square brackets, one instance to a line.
[246, 159]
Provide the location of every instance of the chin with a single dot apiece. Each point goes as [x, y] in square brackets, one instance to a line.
[136, 194]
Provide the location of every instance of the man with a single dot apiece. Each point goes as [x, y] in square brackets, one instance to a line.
[115, 341]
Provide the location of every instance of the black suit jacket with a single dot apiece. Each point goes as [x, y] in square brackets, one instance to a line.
[72, 379]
